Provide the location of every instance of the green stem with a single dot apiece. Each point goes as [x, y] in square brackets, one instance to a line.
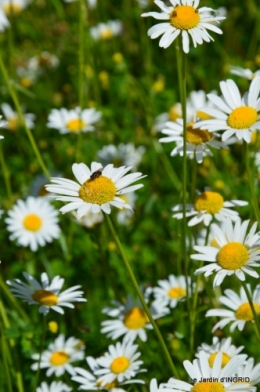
[194, 178]
[251, 182]
[12, 300]
[41, 349]
[139, 293]
[252, 307]
[22, 119]
[4, 356]
[6, 174]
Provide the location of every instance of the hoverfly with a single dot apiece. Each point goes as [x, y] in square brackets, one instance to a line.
[96, 174]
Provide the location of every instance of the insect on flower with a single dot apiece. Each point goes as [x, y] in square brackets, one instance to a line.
[96, 174]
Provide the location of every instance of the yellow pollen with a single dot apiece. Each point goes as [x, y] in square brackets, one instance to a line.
[59, 358]
[75, 125]
[176, 292]
[232, 256]
[13, 123]
[184, 17]
[174, 113]
[99, 191]
[203, 115]
[225, 359]
[135, 318]
[106, 34]
[32, 222]
[197, 136]
[119, 365]
[208, 201]
[45, 297]
[242, 118]
[109, 385]
[12, 9]
[208, 387]
[245, 313]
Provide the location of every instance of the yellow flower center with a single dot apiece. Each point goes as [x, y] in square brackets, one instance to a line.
[225, 359]
[13, 123]
[75, 125]
[109, 385]
[197, 136]
[174, 113]
[208, 201]
[106, 34]
[244, 311]
[203, 115]
[119, 365]
[232, 256]
[184, 17]
[59, 358]
[176, 292]
[32, 222]
[45, 297]
[99, 191]
[242, 117]
[12, 8]
[135, 318]
[208, 387]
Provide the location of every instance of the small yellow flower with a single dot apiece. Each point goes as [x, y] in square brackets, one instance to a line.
[53, 326]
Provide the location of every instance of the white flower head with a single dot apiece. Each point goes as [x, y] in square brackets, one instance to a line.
[235, 115]
[33, 222]
[97, 190]
[59, 356]
[123, 154]
[54, 387]
[12, 119]
[185, 18]
[107, 30]
[238, 252]
[46, 294]
[244, 73]
[170, 291]
[239, 311]
[209, 205]
[74, 120]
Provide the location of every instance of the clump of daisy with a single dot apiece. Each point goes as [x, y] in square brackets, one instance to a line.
[130, 319]
[123, 154]
[235, 115]
[45, 293]
[244, 73]
[209, 205]
[89, 381]
[59, 356]
[12, 119]
[74, 120]
[238, 252]
[54, 387]
[97, 190]
[33, 222]
[239, 311]
[105, 31]
[184, 18]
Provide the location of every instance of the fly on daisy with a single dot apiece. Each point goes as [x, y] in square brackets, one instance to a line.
[95, 194]
[185, 18]
[46, 294]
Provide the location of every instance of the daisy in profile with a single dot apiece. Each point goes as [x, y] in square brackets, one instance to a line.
[170, 291]
[89, 381]
[105, 31]
[12, 119]
[207, 378]
[97, 190]
[238, 252]
[239, 311]
[244, 73]
[131, 320]
[33, 222]
[207, 206]
[59, 356]
[185, 18]
[46, 294]
[224, 346]
[74, 120]
[235, 115]
[119, 363]
[123, 154]
[54, 387]
[249, 369]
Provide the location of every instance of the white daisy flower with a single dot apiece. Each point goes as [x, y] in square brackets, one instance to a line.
[206, 378]
[12, 118]
[74, 120]
[14, 6]
[46, 293]
[89, 381]
[26, 75]
[207, 206]
[224, 346]
[59, 356]
[249, 369]
[107, 30]
[97, 190]
[119, 363]
[123, 154]
[131, 319]
[235, 115]
[4, 22]
[89, 220]
[240, 311]
[236, 254]
[185, 18]
[54, 387]
[170, 291]
[244, 73]
[33, 222]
